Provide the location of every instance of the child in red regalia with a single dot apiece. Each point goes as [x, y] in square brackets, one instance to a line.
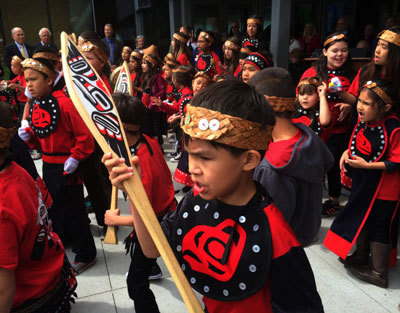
[232, 243]
[334, 65]
[207, 60]
[180, 50]
[157, 182]
[57, 129]
[312, 107]
[370, 218]
[35, 275]
[254, 63]
[135, 66]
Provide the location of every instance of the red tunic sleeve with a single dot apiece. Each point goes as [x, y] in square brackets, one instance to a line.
[355, 85]
[183, 60]
[217, 63]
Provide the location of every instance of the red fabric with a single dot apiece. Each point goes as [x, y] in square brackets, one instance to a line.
[107, 83]
[20, 224]
[325, 132]
[183, 60]
[355, 85]
[390, 188]
[283, 239]
[335, 129]
[311, 46]
[237, 71]
[183, 178]
[280, 152]
[170, 91]
[20, 80]
[133, 77]
[174, 108]
[71, 136]
[156, 176]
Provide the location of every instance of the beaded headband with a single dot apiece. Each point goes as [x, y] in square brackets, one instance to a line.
[5, 136]
[16, 58]
[254, 21]
[280, 104]
[36, 65]
[375, 88]
[231, 45]
[206, 36]
[87, 46]
[390, 36]
[45, 55]
[257, 60]
[180, 38]
[136, 55]
[335, 38]
[149, 58]
[202, 74]
[206, 124]
[310, 81]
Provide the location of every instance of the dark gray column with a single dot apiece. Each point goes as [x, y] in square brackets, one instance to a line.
[280, 31]
[186, 12]
[138, 19]
[174, 16]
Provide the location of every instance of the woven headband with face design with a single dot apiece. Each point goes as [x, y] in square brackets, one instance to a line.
[390, 36]
[310, 81]
[257, 60]
[207, 37]
[254, 21]
[36, 65]
[231, 45]
[87, 46]
[335, 38]
[206, 124]
[180, 38]
[378, 90]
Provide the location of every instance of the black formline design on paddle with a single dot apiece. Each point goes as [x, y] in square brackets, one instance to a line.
[97, 102]
[122, 82]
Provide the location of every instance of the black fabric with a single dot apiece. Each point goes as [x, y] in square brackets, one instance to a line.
[312, 115]
[209, 233]
[379, 221]
[68, 213]
[391, 166]
[43, 116]
[293, 288]
[337, 143]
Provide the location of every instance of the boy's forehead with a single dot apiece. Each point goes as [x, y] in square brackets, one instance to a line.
[198, 145]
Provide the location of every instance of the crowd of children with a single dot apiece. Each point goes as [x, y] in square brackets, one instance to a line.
[253, 151]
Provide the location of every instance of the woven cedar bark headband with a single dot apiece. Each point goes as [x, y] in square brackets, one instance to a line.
[45, 55]
[87, 46]
[335, 38]
[5, 136]
[148, 57]
[207, 37]
[136, 55]
[390, 36]
[231, 45]
[127, 48]
[381, 94]
[17, 59]
[180, 38]
[202, 74]
[280, 104]
[36, 65]
[202, 123]
[310, 81]
[254, 21]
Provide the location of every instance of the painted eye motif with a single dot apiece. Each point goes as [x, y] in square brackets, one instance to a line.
[214, 124]
[203, 124]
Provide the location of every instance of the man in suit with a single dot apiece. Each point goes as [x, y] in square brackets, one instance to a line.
[18, 47]
[45, 39]
[114, 45]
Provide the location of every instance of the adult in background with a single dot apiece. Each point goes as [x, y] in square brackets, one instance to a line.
[18, 47]
[140, 43]
[342, 26]
[114, 45]
[235, 31]
[310, 40]
[45, 39]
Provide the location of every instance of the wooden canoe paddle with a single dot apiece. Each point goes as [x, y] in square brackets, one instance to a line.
[94, 103]
[123, 85]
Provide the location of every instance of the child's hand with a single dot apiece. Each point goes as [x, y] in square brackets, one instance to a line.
[156, 101]
[357, 162]
[110, 217]
[174, 118]
[343, 159]
[345, 110]
[322, 90]
[117, 169]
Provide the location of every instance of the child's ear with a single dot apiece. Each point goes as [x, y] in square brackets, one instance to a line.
[252, 159]
[387, 107]
[324, 51]
[50, 82]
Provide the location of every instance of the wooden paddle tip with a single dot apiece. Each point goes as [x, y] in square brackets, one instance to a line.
[111, 236]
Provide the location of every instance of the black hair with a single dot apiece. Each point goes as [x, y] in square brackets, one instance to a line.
[277, 82]
[131, 109]
[233, 97]
[389, 89]
[212, 35]
[153, 70]
[184, 75]
[322, 63]
[181, 47]
[139, 72]
[6, 121]
[46, 50]
[374, 72]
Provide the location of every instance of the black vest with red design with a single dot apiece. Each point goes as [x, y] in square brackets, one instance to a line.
[225, 251]
[205, 62]
[43, 116]
[344, 80]
[308, 117]
[370, 140]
